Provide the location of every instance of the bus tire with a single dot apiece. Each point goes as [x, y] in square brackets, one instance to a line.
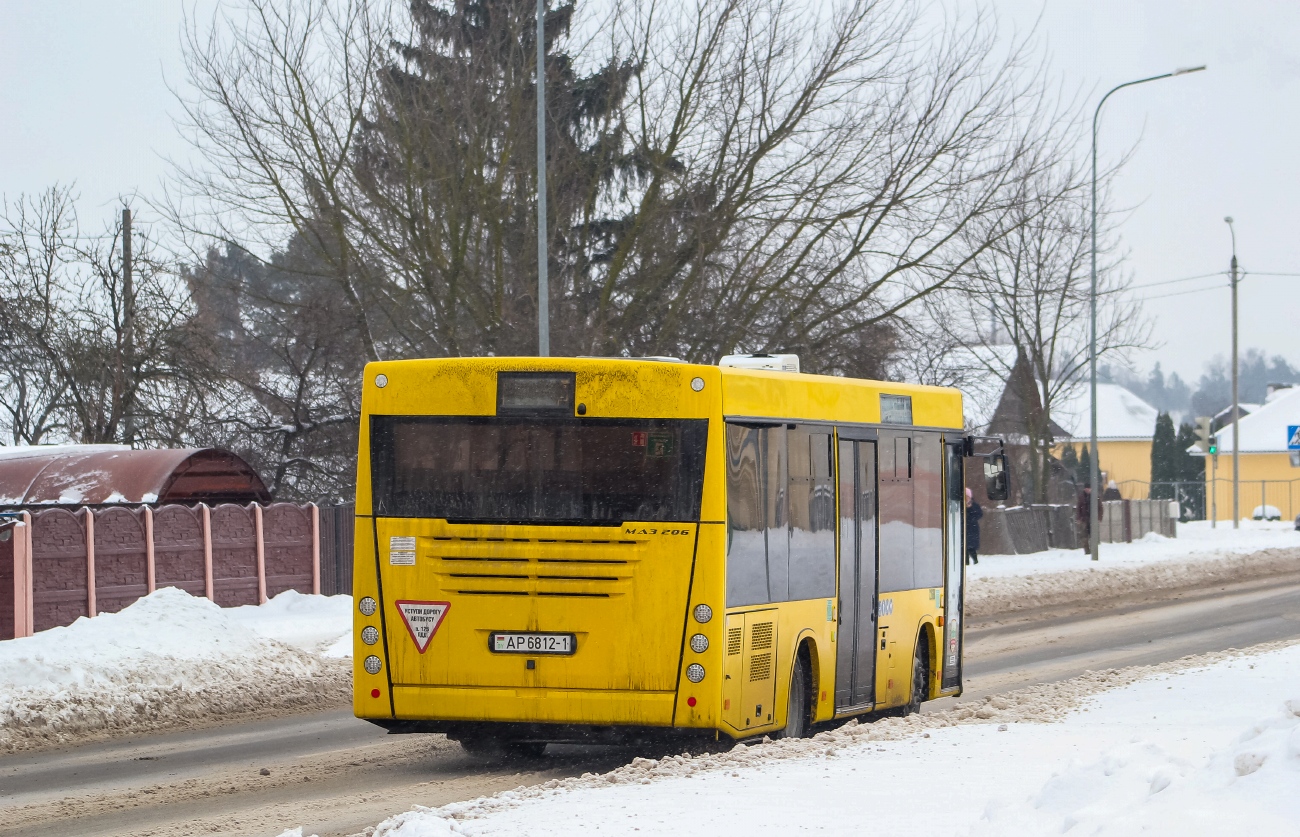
[796, 713]
[920, 679]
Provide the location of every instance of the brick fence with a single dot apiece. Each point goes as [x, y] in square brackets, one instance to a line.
[59, 564]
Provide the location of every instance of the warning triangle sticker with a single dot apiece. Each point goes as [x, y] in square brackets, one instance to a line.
[422, 620]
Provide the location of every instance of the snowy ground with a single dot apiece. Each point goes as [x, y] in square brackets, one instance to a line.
[1209, 749]
[1196, 540]
[172, 660]
[1201, 556]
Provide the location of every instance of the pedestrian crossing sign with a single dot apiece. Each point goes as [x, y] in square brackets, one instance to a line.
[1293, 437]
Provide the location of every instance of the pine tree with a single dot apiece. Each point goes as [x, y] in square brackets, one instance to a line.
[448, 166]
[1191, 474]
[1164, 459]
[1085, 466]
[1189, 468]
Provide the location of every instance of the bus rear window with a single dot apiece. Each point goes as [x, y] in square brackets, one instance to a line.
[498, 469]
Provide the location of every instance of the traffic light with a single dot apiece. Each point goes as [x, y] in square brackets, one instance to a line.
[1205, 438]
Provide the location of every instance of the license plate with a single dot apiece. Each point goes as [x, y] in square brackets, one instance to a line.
[529, 642]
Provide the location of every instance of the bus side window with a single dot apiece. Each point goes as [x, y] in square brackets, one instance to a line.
[812, 516]
[896, 512]
[776, 498]
[927, 555]
[746, 521]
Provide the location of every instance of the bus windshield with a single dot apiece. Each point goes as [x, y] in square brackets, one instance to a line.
[575, 471]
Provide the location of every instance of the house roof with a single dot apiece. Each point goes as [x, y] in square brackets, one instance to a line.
[1121, 415]
[113, 474]
[1264, 430]
[980, 372]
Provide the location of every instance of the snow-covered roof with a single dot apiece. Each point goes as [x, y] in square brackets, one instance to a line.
[1264, 431]
[69, 475]
[1121, 415]
[29, 451]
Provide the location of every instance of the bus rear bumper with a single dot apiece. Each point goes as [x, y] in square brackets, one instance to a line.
[479, 704]
[550, 733]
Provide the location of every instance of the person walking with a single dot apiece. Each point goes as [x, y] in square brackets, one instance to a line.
[973, 514]
[1084, 518]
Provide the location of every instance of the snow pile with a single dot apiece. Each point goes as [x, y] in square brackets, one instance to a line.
[1246, 787]
[320, 624]
[1139, 788]
[1196, 541]
[1199, 557]
[171, 660]
[1151, 750]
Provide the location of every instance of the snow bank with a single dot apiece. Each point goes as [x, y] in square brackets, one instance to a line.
[171, 660]
[1200, 556]
[1210, 749]
[1196, 541]
[320, 624]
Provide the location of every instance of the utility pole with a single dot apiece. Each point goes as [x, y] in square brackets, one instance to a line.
[128, 334]
[1236, 404]
[1214, 492]
[543, 286]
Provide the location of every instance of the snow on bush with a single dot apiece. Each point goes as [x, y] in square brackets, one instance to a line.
[171, 660]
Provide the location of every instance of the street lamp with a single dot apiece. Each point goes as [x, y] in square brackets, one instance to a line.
[1236, 405]
[1094, 478]
[543, 286]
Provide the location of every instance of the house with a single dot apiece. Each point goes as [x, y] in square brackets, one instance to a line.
[1001, 397]
[1125, 427]
[1269, 475]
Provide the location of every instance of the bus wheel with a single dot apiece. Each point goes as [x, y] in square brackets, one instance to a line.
[497, 749]
[920, 680]
[796, 715]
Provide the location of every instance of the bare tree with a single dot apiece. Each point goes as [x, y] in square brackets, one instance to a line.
[75, 366]
[275, 101]
[1032, 289]
[730, 173]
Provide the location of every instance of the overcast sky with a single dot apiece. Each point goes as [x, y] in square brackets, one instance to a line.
[83, 99]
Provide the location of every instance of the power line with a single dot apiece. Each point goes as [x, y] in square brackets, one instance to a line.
[1184, 279]
[1181, 293]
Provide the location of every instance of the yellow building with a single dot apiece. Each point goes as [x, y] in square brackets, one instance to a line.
[1268, 477]
[1125, 426]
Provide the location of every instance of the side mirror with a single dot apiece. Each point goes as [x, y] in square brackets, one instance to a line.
[996, 478]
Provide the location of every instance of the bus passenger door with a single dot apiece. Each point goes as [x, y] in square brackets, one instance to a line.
[954, 563]
[855, 650]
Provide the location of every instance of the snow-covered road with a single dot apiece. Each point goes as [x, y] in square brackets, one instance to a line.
[193, 665]
[1208, 750]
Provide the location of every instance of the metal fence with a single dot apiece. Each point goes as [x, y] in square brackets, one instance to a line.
[336, 528]
[1283, 496]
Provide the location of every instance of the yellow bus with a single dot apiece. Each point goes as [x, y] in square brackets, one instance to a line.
[586, 549]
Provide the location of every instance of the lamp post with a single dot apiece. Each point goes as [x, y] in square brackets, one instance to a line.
[1236, 405]
[543, 286]
[1094, 478]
